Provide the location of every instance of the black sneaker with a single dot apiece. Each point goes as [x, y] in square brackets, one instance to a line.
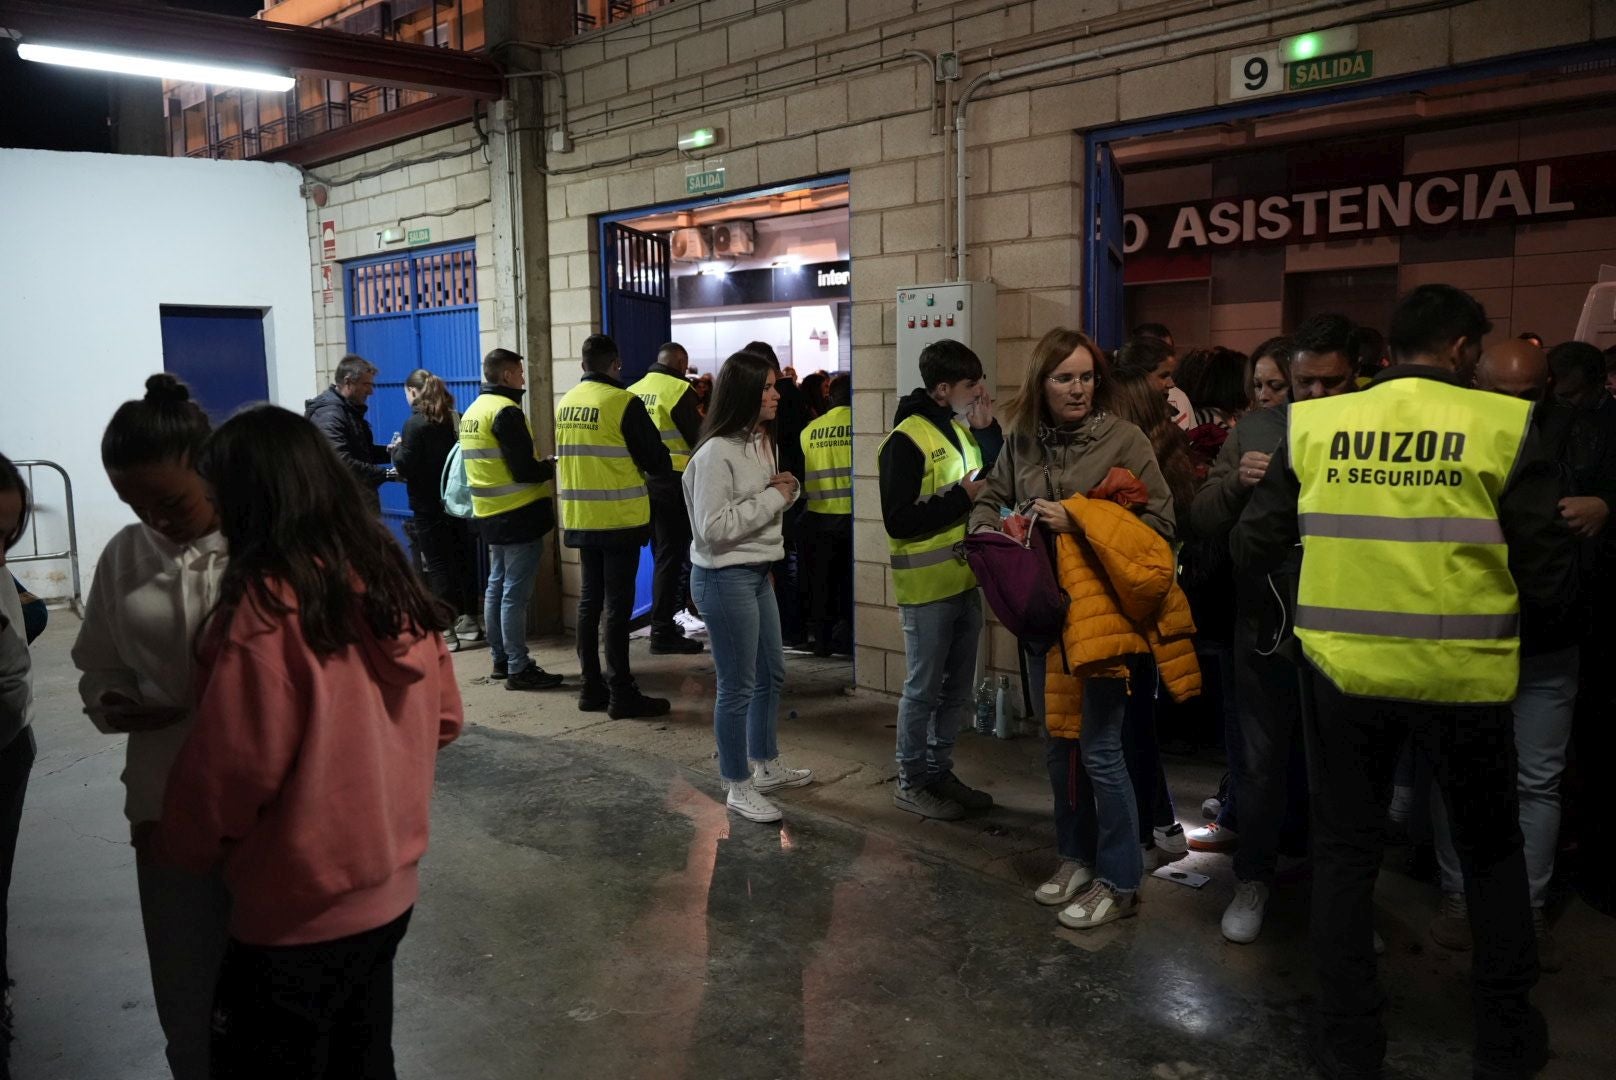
[532, 677]
[950, 787]
[674, 644]
[501, 673]
[594, 697]
[633, 705]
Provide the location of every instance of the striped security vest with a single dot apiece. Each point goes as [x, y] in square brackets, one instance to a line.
[600, 486]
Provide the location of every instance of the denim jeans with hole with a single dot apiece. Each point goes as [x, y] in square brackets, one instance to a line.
[743, 627]
[1545, 703]
[939, 642]
[511, 569]
[1096, 812]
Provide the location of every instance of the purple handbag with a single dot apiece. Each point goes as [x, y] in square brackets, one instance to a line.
[1021, 585]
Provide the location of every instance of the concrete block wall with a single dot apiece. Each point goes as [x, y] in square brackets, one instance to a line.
[397, 186]
[633, 87]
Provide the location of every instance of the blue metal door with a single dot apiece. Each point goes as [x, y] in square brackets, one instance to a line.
[1105, 248]
[639, 318]
[219, 353]
[415, 310]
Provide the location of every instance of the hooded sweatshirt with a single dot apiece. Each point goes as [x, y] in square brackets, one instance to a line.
[735, 516]
[138, 639]
[903, 467]
[310, 777]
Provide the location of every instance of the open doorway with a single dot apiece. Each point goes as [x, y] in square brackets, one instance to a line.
[714, 276]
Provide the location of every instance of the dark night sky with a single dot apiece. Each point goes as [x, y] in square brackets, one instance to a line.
[56, 108]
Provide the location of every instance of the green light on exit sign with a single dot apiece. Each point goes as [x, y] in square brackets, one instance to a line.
[418, 236]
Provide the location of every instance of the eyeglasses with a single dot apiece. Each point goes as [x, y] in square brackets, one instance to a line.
[1087, 378]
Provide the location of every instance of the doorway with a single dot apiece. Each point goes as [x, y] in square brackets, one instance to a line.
[219, 354]
[717, 273]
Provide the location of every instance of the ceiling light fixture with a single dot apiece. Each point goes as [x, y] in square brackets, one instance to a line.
[155, 67]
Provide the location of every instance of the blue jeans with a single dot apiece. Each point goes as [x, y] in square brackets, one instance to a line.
[1545, 702]
[511, 568]
[1096, 812]
[743, 627]
[940, 640]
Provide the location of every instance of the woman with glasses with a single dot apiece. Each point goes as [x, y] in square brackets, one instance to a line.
[1060, 445]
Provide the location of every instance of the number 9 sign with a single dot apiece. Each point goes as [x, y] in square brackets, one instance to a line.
[1255, 75]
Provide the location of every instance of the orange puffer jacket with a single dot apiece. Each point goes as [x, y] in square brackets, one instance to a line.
[1125, 599]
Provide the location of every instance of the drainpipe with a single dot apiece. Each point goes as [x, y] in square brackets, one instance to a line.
[997, 76]
[566, 136]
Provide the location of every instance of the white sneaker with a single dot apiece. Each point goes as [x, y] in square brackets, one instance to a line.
[468, 629]
[745, 799]
[1072, 877]
[1242, 919]
[768, 775]
[1171, 839]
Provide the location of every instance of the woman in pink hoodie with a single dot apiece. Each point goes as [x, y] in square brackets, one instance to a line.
[324, 693]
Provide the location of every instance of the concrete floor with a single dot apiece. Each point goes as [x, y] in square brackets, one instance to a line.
[590, 910]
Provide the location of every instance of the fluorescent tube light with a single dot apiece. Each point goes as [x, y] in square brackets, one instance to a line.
[155, 67]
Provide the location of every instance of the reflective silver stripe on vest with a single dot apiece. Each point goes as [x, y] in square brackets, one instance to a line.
[830, 493]
[924, 559]
[478, 455]
[1431, 530]
[671, 436]
[501, 489]
[827, 474]
[602, 494]
[1403, 624]
[592, 451]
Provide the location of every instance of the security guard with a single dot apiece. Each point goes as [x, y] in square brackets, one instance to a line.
[671, 401]
[513, 502]
[1440, 496]
[608, 449]
[827, 524]
[931, 468]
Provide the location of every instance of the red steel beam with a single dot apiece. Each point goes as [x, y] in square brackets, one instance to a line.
[390, 127]
[223, 39]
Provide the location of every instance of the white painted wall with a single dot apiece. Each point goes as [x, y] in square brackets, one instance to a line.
[91, 245]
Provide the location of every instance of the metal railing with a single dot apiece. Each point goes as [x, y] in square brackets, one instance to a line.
[72, 552]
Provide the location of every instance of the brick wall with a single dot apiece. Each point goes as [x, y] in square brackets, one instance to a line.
[635, 86]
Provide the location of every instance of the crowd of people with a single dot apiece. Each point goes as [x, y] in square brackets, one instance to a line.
[1381, 550]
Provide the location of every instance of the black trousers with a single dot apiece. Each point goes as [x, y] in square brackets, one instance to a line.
[1273, 797]
[1353, 745]
[608, 584]
[448, 560]
[315, 1012]
[670, 550]
[825, 547]
[16, 762]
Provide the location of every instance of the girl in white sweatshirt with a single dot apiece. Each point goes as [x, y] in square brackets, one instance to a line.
[737, 495]
[154, 585]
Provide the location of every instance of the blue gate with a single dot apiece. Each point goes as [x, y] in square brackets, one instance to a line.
[408, 311]
[1106, 242]
[639, 317]
[219, 352]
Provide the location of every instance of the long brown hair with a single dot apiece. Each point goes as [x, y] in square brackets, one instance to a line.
[1128, 396]
[738, 398]
[1028, 410]
[433, 398]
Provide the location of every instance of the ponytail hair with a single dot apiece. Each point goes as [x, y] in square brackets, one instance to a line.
[432, 396]
[165, 425]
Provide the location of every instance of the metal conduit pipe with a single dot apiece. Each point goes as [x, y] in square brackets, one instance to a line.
[913, 55]
[988, 78]
[560, 81]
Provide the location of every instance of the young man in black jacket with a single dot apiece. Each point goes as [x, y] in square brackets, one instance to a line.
[931, 468]
[339, 413]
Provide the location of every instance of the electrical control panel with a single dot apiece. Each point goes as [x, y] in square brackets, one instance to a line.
[963, 310]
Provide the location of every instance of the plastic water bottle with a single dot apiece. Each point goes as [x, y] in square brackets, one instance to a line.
[1004, 722]
[984, 708]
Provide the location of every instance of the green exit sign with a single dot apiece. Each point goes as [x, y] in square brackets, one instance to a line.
[1330, 70]
[419, 236]
[702, 182]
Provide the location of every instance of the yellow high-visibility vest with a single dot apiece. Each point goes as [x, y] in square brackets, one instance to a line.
[827, 448]
[661, 392]
[930, 568]
[1405, 590]
[600, 486]
[493, 489]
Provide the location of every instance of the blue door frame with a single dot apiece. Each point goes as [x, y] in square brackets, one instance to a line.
[633, 319]
[407, 310]
[1102, 296]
